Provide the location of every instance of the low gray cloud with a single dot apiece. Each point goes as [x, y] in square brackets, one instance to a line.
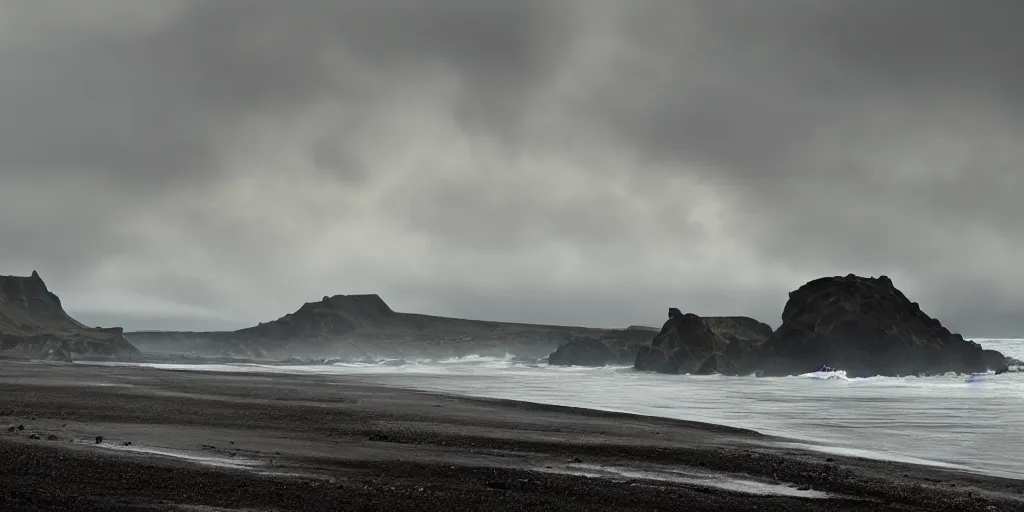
[183, 163]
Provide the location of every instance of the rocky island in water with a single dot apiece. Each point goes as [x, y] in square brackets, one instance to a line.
[863, 326]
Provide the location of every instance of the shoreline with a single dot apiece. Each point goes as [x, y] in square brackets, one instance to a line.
[829, 437]
[370, 446]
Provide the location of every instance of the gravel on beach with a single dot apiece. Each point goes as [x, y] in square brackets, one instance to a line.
[144, 439]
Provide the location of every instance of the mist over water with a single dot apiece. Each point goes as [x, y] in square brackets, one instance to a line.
[970, 422]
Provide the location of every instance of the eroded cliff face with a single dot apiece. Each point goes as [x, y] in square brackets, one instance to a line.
[33, 324]
[866, 326]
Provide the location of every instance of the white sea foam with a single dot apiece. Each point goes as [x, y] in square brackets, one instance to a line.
[973, 422]
[826, 375]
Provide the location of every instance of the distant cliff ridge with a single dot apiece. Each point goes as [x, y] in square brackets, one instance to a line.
[33, 324]
[364, 326]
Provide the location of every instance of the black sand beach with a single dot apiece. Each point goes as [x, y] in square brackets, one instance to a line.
[207, 441]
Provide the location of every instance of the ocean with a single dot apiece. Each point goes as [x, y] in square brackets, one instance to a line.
[972, 423]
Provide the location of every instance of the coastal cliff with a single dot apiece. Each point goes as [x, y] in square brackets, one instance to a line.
[33, 324]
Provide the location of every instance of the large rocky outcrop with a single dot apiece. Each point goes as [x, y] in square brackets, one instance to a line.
[866, 327]
[624, 347]
[688, 343]
[34, 324]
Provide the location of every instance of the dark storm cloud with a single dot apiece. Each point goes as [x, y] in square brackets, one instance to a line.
[232, 159]
[148, 102]
[866, 136]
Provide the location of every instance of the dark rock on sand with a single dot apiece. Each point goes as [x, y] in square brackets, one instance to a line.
[33, 324]
[501, 486]
[99, 439]
[866, 327]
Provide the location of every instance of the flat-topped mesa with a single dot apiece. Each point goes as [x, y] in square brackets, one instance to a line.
[866, 326]
[642, 328]
[34, 324]
[328, 318]
[366, 310]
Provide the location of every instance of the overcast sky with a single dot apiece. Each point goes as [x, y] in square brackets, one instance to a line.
[178, 164]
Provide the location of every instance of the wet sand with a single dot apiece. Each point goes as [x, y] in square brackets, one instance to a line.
[174, 440]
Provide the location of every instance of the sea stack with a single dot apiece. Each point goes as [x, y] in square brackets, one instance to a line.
[867, 327]
[682, 346]
[688, 343]
[675, 344]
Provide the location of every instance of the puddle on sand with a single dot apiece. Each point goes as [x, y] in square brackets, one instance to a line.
[256, 466]
[717, 481]
[222, 462]
[869, 454]
[74, 383]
